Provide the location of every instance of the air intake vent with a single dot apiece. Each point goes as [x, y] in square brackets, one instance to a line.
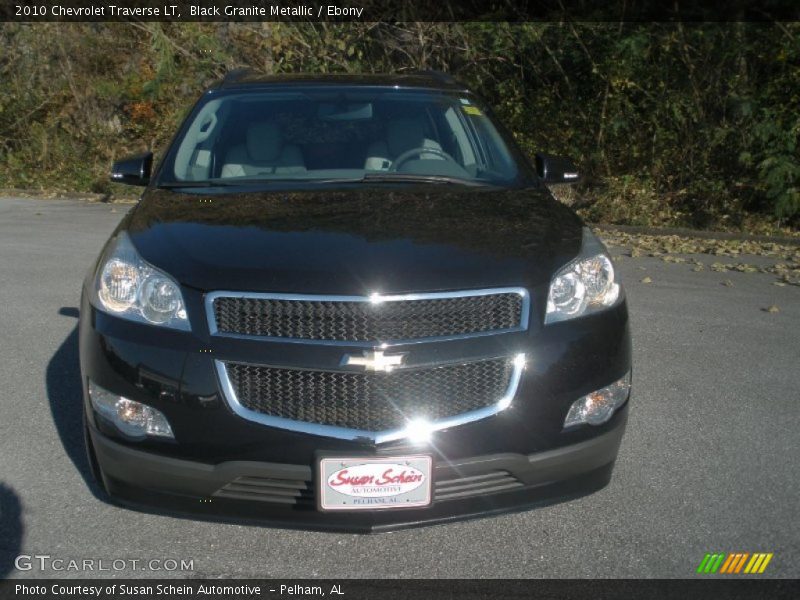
[476, 485]
[262, 489]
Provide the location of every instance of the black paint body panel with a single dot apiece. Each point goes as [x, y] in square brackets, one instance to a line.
[352, 239]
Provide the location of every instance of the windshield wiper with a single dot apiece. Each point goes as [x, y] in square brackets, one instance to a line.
[247, 181]
[410, 177]
[196, 184]
[368, 178]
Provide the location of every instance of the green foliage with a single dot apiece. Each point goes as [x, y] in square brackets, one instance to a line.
[681, 124]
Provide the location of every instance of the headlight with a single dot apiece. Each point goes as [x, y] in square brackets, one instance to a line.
[585, 285]
[132, 418]
[130, 288]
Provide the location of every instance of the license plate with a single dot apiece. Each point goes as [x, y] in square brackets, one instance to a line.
[374, 483]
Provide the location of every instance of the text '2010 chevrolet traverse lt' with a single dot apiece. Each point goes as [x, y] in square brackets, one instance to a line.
[349, 302]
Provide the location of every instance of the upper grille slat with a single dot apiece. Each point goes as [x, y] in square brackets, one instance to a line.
[359, 320]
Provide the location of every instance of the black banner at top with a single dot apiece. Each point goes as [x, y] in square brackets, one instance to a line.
[398, 10]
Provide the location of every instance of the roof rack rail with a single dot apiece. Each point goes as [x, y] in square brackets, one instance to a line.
[438, 75]
[235, 75]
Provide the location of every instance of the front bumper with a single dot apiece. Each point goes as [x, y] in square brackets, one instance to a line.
[515, 459]
[479, 486]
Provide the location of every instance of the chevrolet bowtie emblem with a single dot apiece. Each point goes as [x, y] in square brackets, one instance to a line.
[374, 361]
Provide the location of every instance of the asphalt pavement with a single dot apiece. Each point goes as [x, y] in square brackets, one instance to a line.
[709, 462]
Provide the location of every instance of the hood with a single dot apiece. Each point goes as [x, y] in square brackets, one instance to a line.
[356, 241]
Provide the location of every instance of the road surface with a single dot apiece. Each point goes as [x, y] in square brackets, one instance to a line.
[709, 462]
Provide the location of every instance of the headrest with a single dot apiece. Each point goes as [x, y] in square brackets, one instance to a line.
[404, 134]
[264, 141]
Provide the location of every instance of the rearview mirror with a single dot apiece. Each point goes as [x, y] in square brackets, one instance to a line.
[345, 112]
[556, 169]
[134, 170]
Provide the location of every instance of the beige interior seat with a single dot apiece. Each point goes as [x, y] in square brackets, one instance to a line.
[263, 153]
[402, 135]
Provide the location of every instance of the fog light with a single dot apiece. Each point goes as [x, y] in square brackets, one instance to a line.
[596, 408]
[130, 417]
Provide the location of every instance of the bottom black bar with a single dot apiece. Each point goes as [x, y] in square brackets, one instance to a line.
[357, 589]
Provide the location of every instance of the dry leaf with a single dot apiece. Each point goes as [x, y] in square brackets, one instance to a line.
[745, 268]
[659, 245]
[727, 283]
[772, 309]
[673, 259]
[647, 280]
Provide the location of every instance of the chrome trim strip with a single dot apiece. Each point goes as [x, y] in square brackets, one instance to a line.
[376, 437]
[523, 324]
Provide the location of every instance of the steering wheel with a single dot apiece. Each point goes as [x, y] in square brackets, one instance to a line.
[419, 151]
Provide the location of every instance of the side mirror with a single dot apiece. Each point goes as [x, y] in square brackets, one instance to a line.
[556, 169]
[134, 170]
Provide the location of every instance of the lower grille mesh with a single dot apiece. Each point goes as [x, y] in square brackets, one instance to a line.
[370, 401]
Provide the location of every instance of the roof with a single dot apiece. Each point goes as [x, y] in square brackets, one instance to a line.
[419, 79]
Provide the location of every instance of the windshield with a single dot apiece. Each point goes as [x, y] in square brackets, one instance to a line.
[340, 134]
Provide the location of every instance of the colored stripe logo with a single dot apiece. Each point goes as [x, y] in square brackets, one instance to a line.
[734, 563]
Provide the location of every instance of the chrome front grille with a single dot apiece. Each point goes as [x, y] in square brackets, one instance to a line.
[352, 404]
[368, 319]
[371, 401]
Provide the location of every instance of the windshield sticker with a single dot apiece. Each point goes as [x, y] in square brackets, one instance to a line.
[472, 110]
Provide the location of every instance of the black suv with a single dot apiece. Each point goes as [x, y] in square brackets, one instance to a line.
[350, 302]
